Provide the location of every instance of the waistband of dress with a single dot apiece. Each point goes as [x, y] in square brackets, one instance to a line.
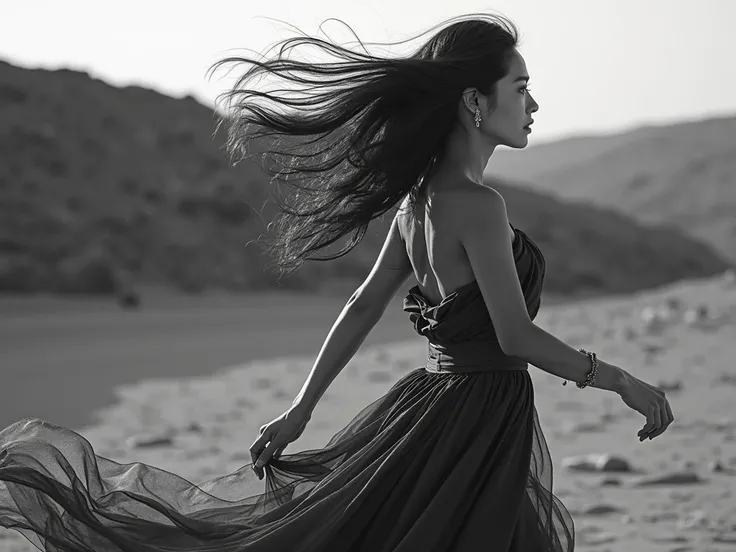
[470, 357]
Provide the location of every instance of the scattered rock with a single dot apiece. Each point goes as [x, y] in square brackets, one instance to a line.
[598, 510]
[675, 478]
[671, 538]
[151, 441]
[693, 520]
[654, 320]
[695, 315]
[701, 318]
[597, 462]
[716, 466]
[571, 426]
[674, 304]
[728, 379]
[129, 300]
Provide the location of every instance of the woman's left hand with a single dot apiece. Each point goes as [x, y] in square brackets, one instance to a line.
[275, 435]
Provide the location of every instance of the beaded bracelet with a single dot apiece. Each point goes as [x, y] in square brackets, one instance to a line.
[590, 377]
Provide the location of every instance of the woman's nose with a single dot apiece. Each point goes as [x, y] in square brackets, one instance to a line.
[534, 106]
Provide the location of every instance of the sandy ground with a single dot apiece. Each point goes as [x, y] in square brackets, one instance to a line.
[675, 493]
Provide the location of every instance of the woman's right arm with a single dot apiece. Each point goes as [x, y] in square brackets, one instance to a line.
[485, 238]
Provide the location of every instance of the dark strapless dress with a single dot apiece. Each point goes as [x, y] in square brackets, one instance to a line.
[451, 459]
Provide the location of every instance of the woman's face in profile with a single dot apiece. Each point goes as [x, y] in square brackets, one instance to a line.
[514, 107]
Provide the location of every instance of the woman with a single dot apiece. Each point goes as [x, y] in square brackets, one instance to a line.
[452, 457]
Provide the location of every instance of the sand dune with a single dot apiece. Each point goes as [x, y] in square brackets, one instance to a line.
[677, 492]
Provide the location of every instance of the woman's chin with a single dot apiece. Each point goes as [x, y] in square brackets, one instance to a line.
[519, 143]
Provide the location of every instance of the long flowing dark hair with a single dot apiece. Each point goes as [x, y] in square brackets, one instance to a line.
[356, 136]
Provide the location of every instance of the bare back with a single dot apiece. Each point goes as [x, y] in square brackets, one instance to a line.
[440, 263]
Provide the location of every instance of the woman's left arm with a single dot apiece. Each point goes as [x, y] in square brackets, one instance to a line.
[344, 339]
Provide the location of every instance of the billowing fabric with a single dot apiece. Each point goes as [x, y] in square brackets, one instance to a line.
[451, 459]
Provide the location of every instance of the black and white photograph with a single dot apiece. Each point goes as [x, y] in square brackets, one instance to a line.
[387, 276]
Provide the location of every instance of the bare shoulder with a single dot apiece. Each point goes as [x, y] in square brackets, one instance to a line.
[483, 208]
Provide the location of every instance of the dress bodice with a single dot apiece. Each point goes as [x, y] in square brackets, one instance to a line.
[459, 329]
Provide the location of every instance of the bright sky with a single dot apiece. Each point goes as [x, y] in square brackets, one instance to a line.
[596, 65]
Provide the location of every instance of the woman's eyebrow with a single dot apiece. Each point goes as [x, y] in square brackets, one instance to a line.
[523, 78]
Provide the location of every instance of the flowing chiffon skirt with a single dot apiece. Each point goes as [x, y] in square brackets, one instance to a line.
[442, 462]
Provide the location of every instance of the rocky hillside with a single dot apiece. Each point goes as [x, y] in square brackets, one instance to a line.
[102, 187]
[682, 175]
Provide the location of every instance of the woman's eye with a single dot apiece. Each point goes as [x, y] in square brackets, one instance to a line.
[525, 88]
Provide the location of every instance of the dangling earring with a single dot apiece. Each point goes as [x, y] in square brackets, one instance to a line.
[477, 117]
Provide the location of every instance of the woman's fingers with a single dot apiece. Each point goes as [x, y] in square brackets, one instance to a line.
[661, 416]
[651, 420]
[667, 417]
[257, 449]
[267, 454]
[670, 416]
[659, 420]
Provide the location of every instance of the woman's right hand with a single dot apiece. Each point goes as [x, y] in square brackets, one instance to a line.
[650, 401]
[276, 435]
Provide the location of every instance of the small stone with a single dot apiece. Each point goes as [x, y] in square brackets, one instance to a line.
[699, 317]
[674, 304]
[151, 441]
[675, 478]
[653, 320]
[602, 510]
[693, 520]
[581, 427]
[597, 462]
[129, 300]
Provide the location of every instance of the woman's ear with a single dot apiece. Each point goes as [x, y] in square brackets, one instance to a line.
[471, 99]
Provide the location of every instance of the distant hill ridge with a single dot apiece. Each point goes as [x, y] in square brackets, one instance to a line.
[102, 187]
[681, 175]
